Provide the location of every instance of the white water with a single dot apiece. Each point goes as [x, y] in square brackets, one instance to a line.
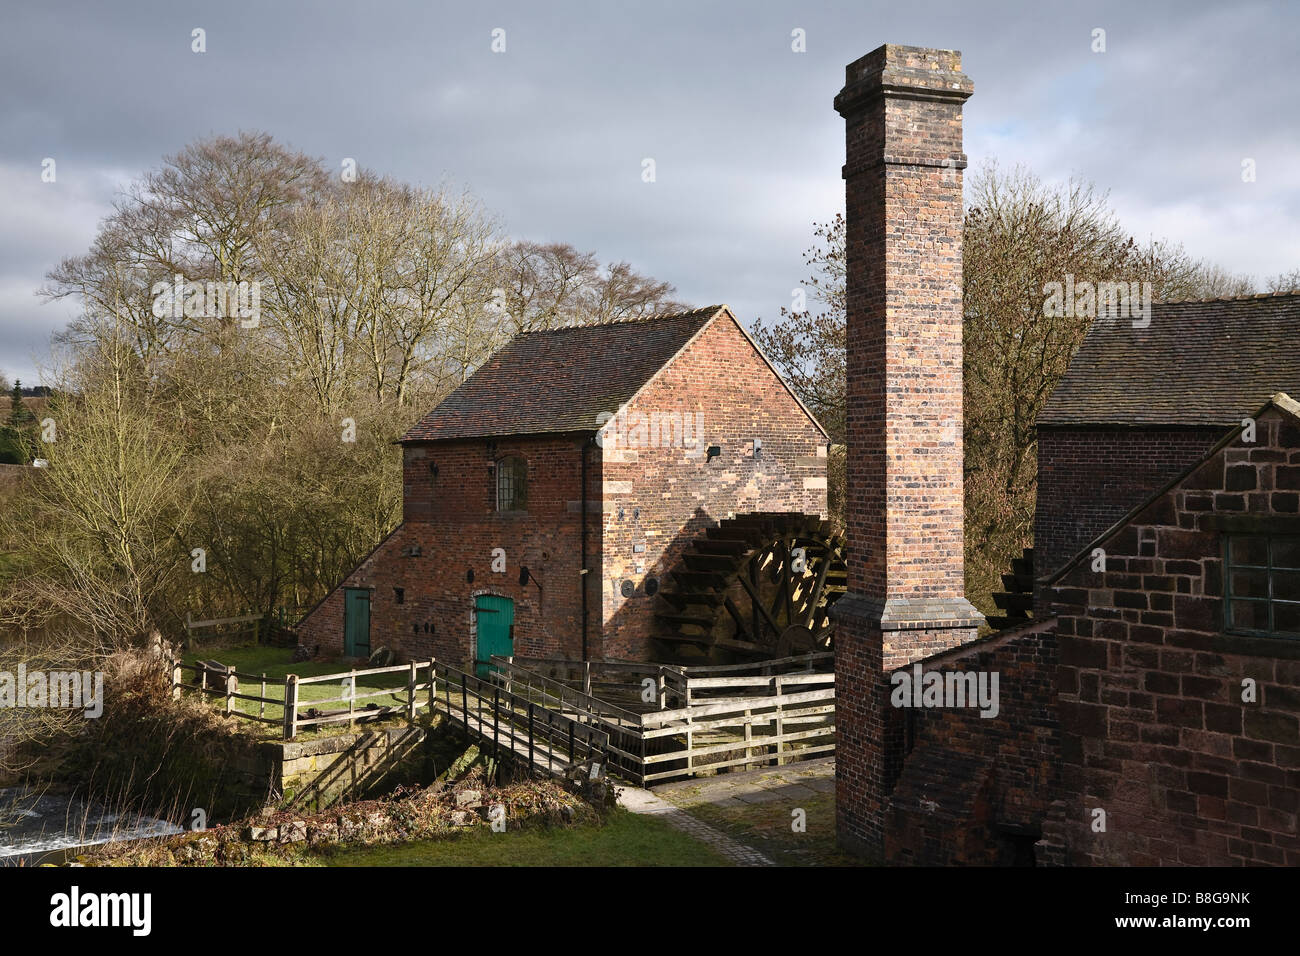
[34, 825]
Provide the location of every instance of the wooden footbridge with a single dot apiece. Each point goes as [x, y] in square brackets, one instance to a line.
[647, 723]
[505, 725]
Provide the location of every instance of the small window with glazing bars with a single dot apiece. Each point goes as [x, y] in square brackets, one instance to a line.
[512, 484]
[1262, 584]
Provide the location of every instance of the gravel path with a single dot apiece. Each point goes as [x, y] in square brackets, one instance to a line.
[643, 801]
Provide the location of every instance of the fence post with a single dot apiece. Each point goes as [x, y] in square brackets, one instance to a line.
[510, 660]
[644, 768]
[530, 738]
[663, 690]
[749, 738]
[410, 696]
[352, 697]
[433, 685]
[203, 680]
[261, 704]
[586, 678]
[177, 679]
[230, 690]
[290, 706]
[690, 750]
[780, 723]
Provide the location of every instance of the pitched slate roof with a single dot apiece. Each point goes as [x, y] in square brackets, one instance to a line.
[1198, 363]
[560, 380]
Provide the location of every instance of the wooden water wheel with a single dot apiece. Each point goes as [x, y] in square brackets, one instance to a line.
[758, 586]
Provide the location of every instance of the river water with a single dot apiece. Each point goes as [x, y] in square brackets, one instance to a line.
[47, 828]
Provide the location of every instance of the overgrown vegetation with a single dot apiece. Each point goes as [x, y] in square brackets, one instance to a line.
[624, 839]
[279, 838]
[153, 754]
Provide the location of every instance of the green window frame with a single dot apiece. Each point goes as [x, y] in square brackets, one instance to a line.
[1261, 584]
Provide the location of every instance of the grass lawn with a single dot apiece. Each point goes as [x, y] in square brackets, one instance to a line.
[277, 662]
[767, 828]
[625, 840]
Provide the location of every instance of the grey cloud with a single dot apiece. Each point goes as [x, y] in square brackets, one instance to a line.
[550, 134]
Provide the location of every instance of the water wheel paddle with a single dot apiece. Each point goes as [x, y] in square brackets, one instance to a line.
[756, 587]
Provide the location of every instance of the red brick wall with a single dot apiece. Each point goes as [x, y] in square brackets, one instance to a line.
[1154, 728]
[662, 497]
[452, 519]
[967, 789]
[861, 784]
[904, 507]
[658, 498]
[1089, 478]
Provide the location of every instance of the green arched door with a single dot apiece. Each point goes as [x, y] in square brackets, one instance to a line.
[495, 618]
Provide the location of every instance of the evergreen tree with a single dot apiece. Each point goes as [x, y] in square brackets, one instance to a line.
[17, 413]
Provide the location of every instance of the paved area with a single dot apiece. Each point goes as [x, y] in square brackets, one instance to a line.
[785, 784]
[791, 785]
[643, 801]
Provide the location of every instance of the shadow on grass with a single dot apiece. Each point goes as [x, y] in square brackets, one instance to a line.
[625, 839]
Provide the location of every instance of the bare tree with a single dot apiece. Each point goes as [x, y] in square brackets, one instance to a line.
[808, 343]
[100, 520]
[1019, 235]
[192, 428]
[550, 285]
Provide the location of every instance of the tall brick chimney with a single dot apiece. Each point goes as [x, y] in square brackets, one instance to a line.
[902, 111]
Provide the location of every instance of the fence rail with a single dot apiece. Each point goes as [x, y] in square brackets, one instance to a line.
[514, 725]
[688, 722]
[546, 738]
[262, 627]
[681, 721]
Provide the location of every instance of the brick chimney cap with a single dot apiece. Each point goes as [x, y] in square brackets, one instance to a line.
[910, 72]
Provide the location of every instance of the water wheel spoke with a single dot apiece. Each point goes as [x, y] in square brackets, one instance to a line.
[736, 616]
[787, 584]
[750, 558]
[817, 592]
[758, 603]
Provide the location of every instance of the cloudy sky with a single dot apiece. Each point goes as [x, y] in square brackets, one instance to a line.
[551, 133]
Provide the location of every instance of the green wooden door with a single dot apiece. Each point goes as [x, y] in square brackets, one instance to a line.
[356, 622]
[496, 620]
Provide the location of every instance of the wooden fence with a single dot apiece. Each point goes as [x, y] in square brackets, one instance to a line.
[315, 717]
[543, 738]
[614, 682]
[211, 681]
[263, 628]
[679, 721]
[294, 712]
[669, 722]
[512, 724]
